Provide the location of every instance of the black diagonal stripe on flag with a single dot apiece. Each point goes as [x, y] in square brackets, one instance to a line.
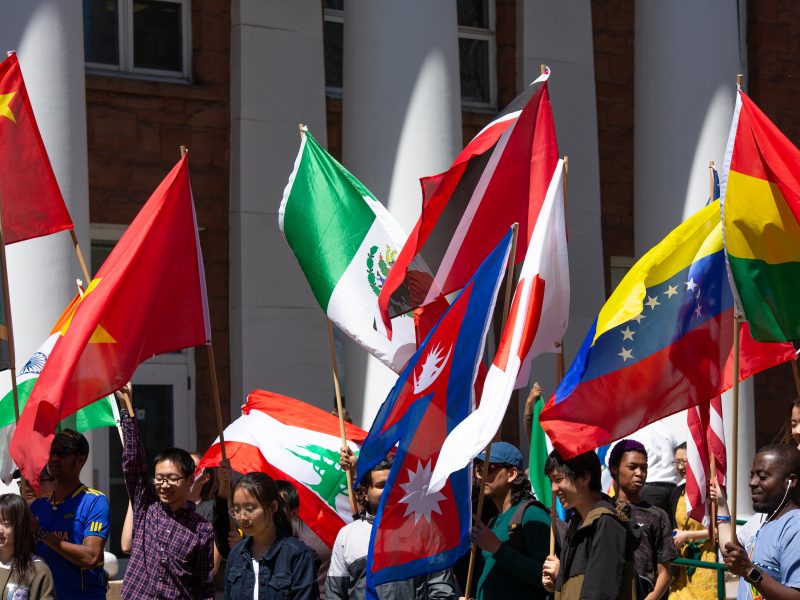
[500, 177]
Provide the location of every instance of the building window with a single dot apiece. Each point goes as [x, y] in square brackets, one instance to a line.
[476, 50]
[476, 53]
[332, 35]
[145, 38]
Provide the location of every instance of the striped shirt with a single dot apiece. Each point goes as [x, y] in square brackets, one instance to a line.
[171, 553]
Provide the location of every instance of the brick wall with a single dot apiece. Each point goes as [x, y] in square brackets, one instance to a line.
[613, 30]
[135, 129]
[773, 55]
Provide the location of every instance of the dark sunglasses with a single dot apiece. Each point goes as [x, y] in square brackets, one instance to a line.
[62, 452]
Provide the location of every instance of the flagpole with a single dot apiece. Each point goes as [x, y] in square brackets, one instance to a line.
[488, 452]
[340, 408]
[796, 376]
[737, 326]
[10, 328]
[80, 256]
[712, 467]
[561, 370]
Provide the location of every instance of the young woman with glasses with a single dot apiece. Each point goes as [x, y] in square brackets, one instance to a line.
[269, 563]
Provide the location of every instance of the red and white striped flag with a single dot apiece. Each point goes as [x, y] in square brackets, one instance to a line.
[707, 438]
[536, 324]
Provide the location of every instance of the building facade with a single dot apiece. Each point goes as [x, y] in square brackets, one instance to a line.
[642, 94]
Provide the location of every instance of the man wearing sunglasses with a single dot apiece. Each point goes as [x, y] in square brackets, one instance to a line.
[71, 523]
[172, 550]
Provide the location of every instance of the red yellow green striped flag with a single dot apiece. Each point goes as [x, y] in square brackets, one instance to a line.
[761, 218]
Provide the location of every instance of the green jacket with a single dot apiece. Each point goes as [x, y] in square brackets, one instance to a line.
[509, 573]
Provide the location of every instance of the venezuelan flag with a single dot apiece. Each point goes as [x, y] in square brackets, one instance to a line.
[761, 210]
[662, 342]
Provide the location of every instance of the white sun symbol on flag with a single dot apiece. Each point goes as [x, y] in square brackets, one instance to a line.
[418, 499]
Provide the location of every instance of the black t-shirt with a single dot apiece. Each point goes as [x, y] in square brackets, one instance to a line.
[656, 546]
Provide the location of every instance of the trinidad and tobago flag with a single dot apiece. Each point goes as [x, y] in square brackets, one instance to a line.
[417, 532]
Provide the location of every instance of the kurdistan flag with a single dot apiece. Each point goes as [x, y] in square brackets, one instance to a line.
[102, 413]
[761, 218]
[291, 440]
[345, 241]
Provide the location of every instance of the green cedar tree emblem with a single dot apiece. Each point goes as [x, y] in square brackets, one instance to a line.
[325, 462]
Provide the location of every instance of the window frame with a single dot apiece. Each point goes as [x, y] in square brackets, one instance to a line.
[332, 15]
[126, 68]
[485, 35]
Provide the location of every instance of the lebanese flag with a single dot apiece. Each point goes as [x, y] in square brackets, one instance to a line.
[295, 441]
[32, 204]
[500, 178]
[536, 324]
[148, 298]
[706, 440]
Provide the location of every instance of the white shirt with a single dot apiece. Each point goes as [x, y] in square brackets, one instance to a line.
[660, 440]
[255, 587]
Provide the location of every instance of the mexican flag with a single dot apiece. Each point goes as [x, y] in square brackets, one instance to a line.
[346, 242]
[102, 413]
[295, 441]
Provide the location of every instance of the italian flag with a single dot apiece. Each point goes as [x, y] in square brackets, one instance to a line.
[295, 441]
[102, 413]
[345, 241]
[761, 218]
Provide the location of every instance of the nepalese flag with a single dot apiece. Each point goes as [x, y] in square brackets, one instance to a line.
[761, 217]
[346, 243]
[536, 324]
[418, 531]
[295, 441]
[706, 442]
[663, 342]
[500, 178]
[32, 204]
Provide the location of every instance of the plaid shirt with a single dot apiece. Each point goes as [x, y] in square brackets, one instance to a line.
[172, 553]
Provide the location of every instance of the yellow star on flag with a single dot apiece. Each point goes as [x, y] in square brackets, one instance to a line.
[5, 106]
[100, 335]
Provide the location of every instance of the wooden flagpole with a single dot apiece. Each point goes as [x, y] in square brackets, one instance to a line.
[488, 452]
[78, 252]
[212, 368]
[712, 467]
[737, 326]
[560, 372]
[340, 408]
[9, 325]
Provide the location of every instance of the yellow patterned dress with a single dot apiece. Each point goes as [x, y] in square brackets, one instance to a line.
[702, 583]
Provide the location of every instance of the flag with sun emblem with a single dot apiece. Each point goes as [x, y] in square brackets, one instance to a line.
[417, 532]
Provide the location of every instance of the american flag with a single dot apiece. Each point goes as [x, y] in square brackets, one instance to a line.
[706, 440]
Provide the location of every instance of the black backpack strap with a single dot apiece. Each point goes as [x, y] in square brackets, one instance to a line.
[515, 537]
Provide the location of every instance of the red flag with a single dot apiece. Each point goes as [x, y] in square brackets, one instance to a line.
[32, 205]
[148, 298]
[501, 177]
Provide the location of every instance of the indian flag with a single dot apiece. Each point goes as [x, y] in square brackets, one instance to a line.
[102, 413]
[345, 241]
[761, 214]
[295, 441]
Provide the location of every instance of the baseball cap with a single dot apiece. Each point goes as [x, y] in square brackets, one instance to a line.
[503, 453]
[69, 438]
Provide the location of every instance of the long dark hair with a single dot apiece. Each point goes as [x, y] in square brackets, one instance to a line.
[262, 487]
[521, 488]
[14, 510]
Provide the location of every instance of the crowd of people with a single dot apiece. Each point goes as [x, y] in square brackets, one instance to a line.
[619, 544]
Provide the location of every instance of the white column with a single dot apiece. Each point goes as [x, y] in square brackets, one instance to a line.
[48, 38]
[559, 34]
[278, 336]
[401, 121]
[684, 98]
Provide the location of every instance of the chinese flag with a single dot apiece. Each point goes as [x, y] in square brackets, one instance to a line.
[31, 202]
[148, 298]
